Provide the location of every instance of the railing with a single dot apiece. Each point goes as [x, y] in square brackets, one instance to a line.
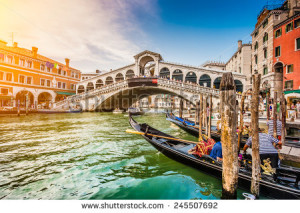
[271, 7]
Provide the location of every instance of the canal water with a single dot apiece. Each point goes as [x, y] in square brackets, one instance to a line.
[89, 156]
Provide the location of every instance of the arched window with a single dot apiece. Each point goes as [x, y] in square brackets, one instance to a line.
[256, 46]
[90, 86]
[191, 77]
[99, 83]
[217, 82]
[119, 77]
[239, 85]
[177, 75]
[129, 74]
[205, 80]
[164, 73]
[109, 80]
[80, 89]
[265, 38]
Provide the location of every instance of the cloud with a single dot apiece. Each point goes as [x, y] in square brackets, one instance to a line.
[93, 34]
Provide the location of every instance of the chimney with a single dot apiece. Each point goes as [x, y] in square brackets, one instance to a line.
[3, 43]
[67, 62]
[15, 44]
[34, 51]
[292, 5]
[240, 44]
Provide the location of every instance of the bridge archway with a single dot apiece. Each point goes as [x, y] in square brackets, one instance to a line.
[239, 85]
[165, 73]
[191, 77]
[80, 89]
[145, 60]
[129, 74]
[205, 80]
[99, 83]
[177, 75]
[217, 82]
[109, 80]
[90, 86]
[119, 77]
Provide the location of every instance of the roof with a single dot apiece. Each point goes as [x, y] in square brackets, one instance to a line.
[29, 53]
[149, 52]
[297, 15]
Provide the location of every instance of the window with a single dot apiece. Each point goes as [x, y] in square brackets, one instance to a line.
[277, 51]
[265, 70]
[42, 67]
[255, 58]
[265, 23]
[77, 76]
[240, 69]
[256, 33]
[4, 91]
[64, 85]
[48, 69]
[72, 74]
[48, 83]
[59, 71]
[9, 59]
[297, 23]
[29, 64]
[297, 43]
[278, 33]
[1, 75]
[276, 17]
[42, 82]
[22, 79]
[290, 68]
[29, 80]
[288, 84]
[8, 76]
[72, 86]
[289, 27]
[265, 53]
[64, 72]
[22, 62]
[256, 46]
[265, 38]
[1, 57]
[59, 84]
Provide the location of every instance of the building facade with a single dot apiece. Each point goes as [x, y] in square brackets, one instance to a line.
[286, 56]
[25, 74]
[240, 62]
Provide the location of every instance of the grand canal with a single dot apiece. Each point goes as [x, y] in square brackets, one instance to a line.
[89, 156]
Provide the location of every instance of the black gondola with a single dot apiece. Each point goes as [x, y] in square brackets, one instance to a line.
[283, 185]
[135, 111]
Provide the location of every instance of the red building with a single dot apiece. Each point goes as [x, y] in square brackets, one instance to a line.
[286, 55]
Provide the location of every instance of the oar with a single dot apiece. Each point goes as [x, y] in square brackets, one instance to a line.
[159, 136]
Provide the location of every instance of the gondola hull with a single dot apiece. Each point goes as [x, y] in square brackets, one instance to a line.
[267, 188]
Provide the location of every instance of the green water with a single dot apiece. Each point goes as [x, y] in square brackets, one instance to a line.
[89, 156]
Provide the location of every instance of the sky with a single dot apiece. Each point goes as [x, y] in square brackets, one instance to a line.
[106, 34]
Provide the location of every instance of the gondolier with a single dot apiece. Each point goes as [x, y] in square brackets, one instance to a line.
[266, 148]
[271, 128]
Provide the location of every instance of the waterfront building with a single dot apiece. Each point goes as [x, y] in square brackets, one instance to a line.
[263, 43]
[286, 56]
[240, 62]
[25, 73]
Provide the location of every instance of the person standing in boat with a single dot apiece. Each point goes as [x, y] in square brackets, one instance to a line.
[271, 127]
[266, 148]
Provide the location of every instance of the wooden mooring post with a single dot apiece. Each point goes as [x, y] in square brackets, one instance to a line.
[18, 105]
[283, 115]
[180, 108]
[26, 104]
[255, 136]
[197, 112]
[228, 137]
[209, 116]
[205, 114]
[240, 133]
[200, 118]
[275, 115]
[268, 105]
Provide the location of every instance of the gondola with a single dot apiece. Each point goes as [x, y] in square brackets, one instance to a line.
[282, 185]
[135, 111]
[189, 126]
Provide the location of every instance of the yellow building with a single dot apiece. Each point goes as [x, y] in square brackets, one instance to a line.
[24, 72]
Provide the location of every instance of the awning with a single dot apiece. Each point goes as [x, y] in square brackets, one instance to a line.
[291, 91]
[65, 93]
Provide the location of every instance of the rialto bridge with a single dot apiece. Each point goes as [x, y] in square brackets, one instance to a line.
[121, 87]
